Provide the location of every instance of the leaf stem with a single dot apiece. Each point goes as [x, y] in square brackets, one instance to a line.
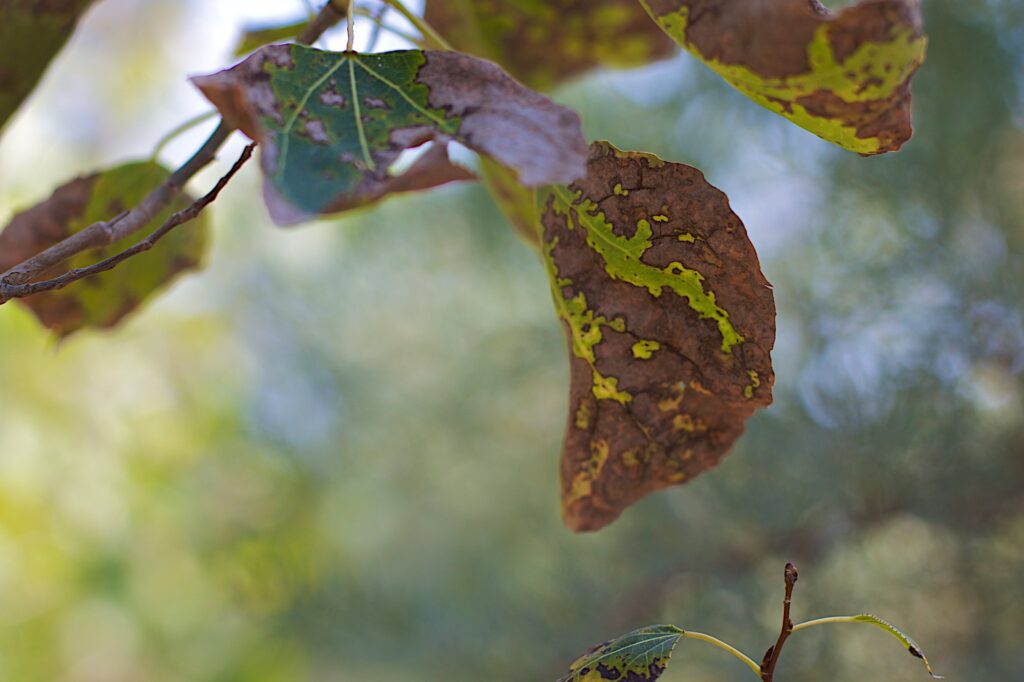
[824, 621]
[432, 37]
[727, 647]
[404, 35]
[178, 130]
[350, 26]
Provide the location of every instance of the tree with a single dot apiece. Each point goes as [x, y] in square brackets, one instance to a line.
[648, 282]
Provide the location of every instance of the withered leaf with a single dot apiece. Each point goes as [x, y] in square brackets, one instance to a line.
[332, 124]
[31, 34]
[104, 299]
[844, 76]
[543, 43]
[670, 326]
[638, 656]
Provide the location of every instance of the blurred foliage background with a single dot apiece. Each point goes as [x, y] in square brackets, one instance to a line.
[333, 454]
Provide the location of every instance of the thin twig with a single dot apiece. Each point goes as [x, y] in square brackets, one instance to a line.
[331, 13]
[107, 232]
[771, 657]
[179, 218]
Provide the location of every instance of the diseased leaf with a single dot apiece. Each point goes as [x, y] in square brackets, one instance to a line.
[331, 124]
[31, 34]
[904, 639]
[670, 326]
[642, 654]
[844, 76]
[255, 37]
[544, 42]
[104, 299]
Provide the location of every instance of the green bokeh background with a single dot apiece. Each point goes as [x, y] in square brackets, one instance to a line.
[333, 454]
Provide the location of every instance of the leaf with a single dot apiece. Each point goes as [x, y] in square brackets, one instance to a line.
[545, 42]
[517, 203]
[670, 324]
[642, 654]
[255, 37]
[331, 124]
[31, 34]
[844, 76]
[904, 639]
[104, 299]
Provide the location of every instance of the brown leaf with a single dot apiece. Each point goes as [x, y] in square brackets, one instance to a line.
[545, 43]
[670, 325]
[104, 299]
[845, 75]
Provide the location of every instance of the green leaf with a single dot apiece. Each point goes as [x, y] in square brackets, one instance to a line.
[642, 654]
[544, 42]
[104, 299]
[331, 124]
[844, 76]
[255, 37]
[904, 639]
[31, 34]
[670, 326]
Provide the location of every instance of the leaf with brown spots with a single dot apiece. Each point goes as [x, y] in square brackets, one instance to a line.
[670, 326]
[545, 42]
[332, 125]
[844, 76]
[104, 299]
[32, 32]
[638, 656]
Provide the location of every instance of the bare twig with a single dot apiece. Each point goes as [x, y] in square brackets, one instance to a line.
[107, 232]
[771, 657]
[331, 13]
[179, 218]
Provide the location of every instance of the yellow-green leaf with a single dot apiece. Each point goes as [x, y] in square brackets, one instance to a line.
[31, 34]
[104, 299]
[844, 76]
[670, 325]
[903, 638]
[544, 42]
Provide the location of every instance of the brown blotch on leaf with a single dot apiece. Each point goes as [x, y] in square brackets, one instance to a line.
[515, 126]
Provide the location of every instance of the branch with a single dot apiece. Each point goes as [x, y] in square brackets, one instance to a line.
[771, 657]
[333, 12]
[179, 218]
[108, 232]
